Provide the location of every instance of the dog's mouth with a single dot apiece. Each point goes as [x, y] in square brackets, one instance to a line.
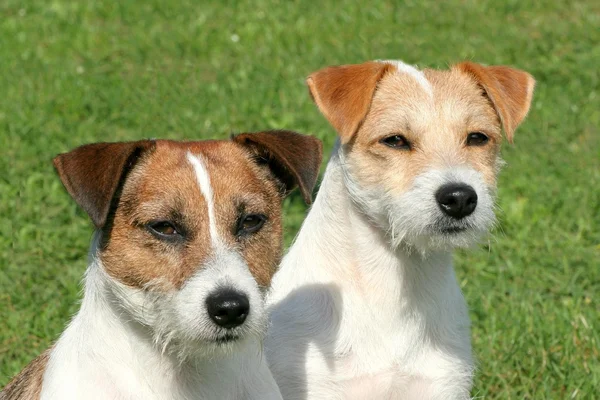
[227, 338]
[451, 230]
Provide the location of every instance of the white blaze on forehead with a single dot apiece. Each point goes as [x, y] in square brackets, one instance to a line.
[417, 75]
[204, 182]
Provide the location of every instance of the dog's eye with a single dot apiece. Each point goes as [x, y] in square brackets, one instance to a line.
[396, 142]
[476, 139]
[163, 229]
[250, 223]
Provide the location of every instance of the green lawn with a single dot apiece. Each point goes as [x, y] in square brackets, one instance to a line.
[74, 72]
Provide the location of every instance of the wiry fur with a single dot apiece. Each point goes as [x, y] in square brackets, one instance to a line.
[357, 314]
[180, 323]
[128, 343]
[366, 304]
[414, 217]
[158, 341]
[173, 237]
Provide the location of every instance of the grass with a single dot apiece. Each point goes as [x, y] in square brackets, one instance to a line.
[75, 72]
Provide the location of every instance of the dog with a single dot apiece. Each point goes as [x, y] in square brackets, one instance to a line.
[188, 236]
[366, 304]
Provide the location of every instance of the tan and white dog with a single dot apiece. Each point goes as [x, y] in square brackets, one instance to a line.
[188, 237]
[366, 304]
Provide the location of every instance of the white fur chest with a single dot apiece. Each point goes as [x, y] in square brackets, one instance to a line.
[132, 373]
[353, 319]
[365, 354]
[104, 355]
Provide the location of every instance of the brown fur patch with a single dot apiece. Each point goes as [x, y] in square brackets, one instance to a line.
[245, 187]
[27, 385]
[509, 89]
[436, 127]
[92, 174]
[294, 159]
[344, 93]
[164, 186]
[469, 98]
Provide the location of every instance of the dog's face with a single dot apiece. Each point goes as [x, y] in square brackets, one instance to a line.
[420, 149]
[193, 234]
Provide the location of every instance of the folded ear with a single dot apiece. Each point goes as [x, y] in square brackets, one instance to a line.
[510, 91]
[343, 94]
[93, 173]
[294, 159]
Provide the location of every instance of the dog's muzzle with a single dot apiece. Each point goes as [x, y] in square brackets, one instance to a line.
[456, 200]
[228, 308]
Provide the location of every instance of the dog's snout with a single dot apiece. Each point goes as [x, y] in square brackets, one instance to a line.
[228, 308]
[456, 200]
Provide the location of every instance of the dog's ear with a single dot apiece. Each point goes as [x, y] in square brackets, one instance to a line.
[294, 159]
[93, 173]
[510, 90]
[344, 94]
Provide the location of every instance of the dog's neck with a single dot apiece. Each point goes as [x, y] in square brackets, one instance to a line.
[105, 346]
[370, 309]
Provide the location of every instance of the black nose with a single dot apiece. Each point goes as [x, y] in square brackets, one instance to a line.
[456, 200]
[228, 308]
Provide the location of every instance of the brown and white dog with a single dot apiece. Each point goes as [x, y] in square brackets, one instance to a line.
[366, 304]
[188, 237]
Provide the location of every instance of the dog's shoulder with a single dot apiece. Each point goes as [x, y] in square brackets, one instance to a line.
[28, 383]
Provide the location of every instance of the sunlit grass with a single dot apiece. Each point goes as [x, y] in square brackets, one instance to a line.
[73, 72]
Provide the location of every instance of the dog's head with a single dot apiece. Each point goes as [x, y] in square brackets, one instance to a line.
[191, 232]
[420, 149]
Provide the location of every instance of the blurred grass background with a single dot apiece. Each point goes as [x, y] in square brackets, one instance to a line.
[74, 72]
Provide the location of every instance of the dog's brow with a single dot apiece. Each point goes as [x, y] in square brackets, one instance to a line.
[249, 199]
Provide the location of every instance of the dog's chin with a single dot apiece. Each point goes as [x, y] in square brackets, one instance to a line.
[228, 338]
[456, 237]
[213, 342]
[225, 344]
[208, 347]
[445, 238]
